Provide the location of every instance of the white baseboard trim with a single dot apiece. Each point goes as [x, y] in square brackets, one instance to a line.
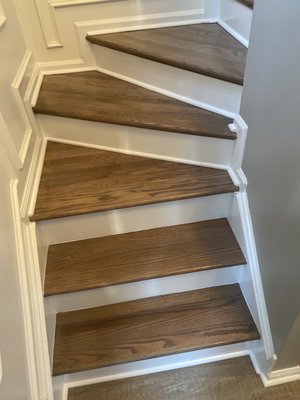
[150, 21]
[150, 366]
[281, 376]
[253, 264]
[234, 33]
[32, 304]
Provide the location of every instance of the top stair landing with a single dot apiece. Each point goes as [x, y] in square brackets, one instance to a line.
[202, 48]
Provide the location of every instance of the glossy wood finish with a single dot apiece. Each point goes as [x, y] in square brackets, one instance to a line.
[248, 3]
[137, 256]
[152, 327]
[204, 48]
[99, 97]
[233, 379]
[78, 180]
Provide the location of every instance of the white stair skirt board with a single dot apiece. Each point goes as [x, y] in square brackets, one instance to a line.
[236, 19]
[134, 291]
[190, 149]
[203, 91]
[63, 383]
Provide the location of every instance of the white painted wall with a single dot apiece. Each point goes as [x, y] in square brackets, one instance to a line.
[270, 107]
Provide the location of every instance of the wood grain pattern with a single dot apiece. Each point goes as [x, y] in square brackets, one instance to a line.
[203, 48]
[137, 256]
[248, 3]
[77, 180]
[233, 379]
[99, 97]
[152, 327]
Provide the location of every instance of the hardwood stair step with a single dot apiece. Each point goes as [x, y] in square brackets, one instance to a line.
[248, 3]
[78, 180]
[95, 96]
[136, 256]
[153, 327]
[202, 48]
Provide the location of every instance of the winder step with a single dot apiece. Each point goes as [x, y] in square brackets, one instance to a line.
[153, 327]
[78, 180]
[136, 256]
[202, 48]
[95, 96]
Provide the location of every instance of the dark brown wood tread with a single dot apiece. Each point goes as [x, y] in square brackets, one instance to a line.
[77, 180]
[248, 3]
[147, 328]
[95, 96]
[202, 48]
[136, 256]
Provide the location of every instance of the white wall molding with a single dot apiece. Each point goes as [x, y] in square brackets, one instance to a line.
[68, 3]
[48, 24]
[22, 69]
[31, 295]
[33, 178]
[16, 85]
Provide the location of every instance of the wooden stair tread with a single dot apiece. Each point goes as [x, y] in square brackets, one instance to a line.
[77, 180]
[202, 48]
[147, 328]
[248, 3]
[136, 256]
[95, 96]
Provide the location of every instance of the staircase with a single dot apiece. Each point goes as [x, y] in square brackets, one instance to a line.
[140, 251]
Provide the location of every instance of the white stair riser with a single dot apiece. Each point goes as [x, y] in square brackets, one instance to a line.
[171, 146]
[61, 384]
[203, 91]
[236, 19]
[132, 219]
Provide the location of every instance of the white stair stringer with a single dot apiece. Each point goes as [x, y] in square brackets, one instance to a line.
[203, 91]
[170, 146]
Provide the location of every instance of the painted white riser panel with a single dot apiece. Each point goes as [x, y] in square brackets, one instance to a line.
[132, 219]
[145, 142]
[236, 18]
[166, 363]
[203, 91]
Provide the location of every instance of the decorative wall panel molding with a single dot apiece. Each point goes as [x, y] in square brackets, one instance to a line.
[66, 3]
[48, 23]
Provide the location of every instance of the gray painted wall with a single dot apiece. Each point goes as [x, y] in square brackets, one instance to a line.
[271, 108]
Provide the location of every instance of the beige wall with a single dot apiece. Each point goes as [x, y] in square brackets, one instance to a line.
[271, 108]
[13, 128]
